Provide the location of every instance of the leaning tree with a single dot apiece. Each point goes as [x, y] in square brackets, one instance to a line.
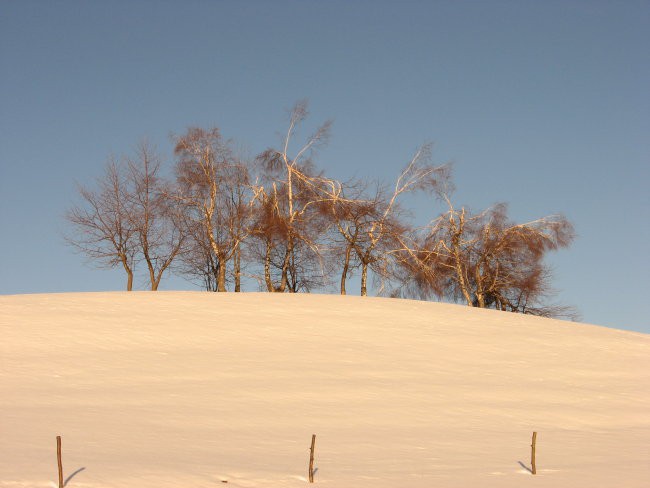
[489, 261]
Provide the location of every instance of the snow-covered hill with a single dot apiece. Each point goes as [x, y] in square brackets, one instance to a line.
[191, 389]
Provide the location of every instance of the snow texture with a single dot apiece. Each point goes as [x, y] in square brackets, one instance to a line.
[192, 389]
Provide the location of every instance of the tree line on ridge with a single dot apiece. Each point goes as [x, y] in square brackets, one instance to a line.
[277, 220]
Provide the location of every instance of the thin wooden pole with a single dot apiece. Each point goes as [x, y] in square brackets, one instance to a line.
[58, 459]
[311, 458]
[532, 454]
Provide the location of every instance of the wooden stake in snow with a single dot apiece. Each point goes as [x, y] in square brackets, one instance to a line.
[311, 458]
[532, 454]
[58, 459]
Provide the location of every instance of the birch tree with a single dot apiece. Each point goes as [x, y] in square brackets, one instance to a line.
[289, 204]
[488, 261]
[216, 196]
[374, 228]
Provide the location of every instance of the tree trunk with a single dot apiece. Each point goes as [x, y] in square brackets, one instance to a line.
[158, 279]
[152, 276]
[129, 280]
[284, 279]
[458, 266]
[364, 279]
[212, 275]
[221, 278]
[346, 267]
[480, 295]
[461, 281]
[285, 266]
[129, 273]
[237, 270]
[267, 267]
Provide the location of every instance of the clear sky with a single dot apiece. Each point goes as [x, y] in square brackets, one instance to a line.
[544, 105]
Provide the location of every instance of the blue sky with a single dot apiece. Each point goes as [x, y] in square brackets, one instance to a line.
[543, 105]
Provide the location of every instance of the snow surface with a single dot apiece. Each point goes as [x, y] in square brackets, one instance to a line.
[194, 389]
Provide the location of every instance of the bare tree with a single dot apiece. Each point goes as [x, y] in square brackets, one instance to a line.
[350, 214]
[297, 223]
[103, 229]
[289, 206]
[217, 199]
[374, 228]
[242, 194]
[152, 214]
[487, 260]
[197, 262]
[292, 250]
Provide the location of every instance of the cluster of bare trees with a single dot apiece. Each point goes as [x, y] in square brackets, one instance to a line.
[278, 220]
[488, 261]
[129, 218]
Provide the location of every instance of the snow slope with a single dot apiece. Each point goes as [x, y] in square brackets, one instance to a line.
[194, 389]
